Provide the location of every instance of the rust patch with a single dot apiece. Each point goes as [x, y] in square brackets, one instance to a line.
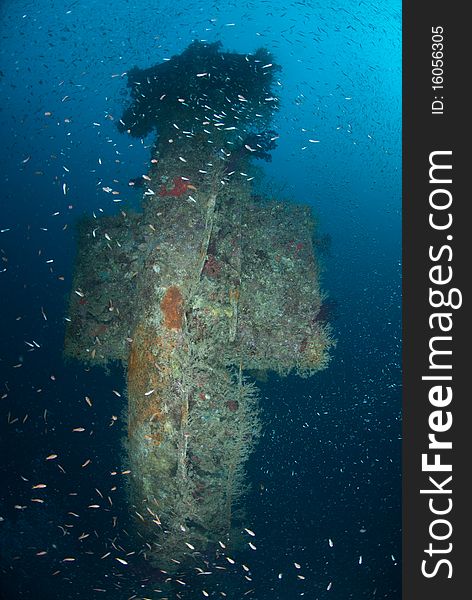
[148, 369]
[172, 308]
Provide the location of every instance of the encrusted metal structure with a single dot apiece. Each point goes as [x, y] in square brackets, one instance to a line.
[208, 282]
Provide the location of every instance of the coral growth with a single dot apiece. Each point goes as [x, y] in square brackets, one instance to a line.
[180, 187]
[232, 405]
[202, 71]
[191, 293]
[212, 267]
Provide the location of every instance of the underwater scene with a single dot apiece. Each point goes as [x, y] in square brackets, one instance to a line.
[200, 282]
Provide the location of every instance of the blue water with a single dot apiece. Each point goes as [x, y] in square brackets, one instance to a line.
[328, 465]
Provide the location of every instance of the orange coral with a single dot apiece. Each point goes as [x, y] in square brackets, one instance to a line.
[172, 308]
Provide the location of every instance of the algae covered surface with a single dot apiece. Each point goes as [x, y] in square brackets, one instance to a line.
[209, 281]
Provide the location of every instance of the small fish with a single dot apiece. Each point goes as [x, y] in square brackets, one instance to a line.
[123, 562]
[78, 429]
[51, 457]
[39, 486]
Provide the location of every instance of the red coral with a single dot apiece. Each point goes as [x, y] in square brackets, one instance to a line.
[180, 187]
[232, 405]
[212, 267]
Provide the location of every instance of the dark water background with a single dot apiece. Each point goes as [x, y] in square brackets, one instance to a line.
[328, 466]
